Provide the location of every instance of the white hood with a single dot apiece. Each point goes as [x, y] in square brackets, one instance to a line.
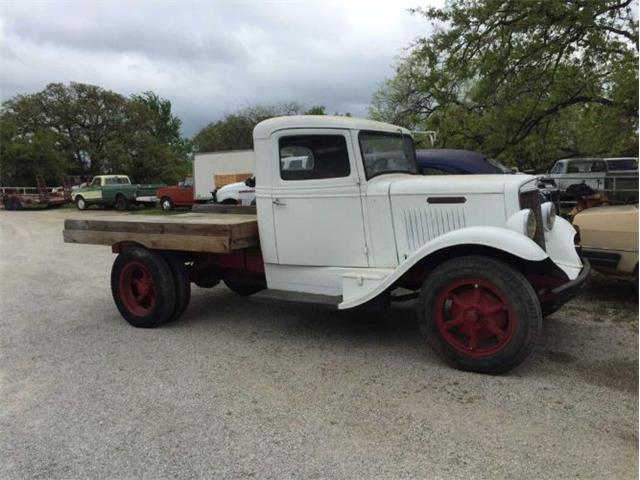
[425, 207]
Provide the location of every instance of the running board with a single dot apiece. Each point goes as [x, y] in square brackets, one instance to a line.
[329, 301]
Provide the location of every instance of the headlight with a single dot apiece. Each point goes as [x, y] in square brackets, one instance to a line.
[548, 214]
[524, 222]
[531, 224]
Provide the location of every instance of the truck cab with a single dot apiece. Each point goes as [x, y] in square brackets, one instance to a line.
[359, 213]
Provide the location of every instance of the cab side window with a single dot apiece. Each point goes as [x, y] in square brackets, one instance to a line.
[96, 182]
[313, 157]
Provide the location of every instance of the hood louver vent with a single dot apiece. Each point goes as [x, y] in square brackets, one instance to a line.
[423, 225]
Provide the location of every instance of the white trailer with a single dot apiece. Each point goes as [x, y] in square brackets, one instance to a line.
[207, 165]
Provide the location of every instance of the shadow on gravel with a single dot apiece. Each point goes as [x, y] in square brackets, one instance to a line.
[396, 329]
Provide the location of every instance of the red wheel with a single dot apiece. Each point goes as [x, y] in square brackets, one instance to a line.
[475, 317]
[143, 287]
[479, 314]
[137, 289]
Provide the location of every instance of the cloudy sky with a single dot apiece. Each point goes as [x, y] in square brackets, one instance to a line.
[210, 58]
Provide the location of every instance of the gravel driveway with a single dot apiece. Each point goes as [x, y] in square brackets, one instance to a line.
[241, 388]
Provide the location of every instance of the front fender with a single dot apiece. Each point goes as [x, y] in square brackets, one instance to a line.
[497, 238]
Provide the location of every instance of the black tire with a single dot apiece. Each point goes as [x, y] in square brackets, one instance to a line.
[244, 286]
[159, 303]
[166, 204]
[182, 283]
[229, 201]
[485, 284]
[81, 203]
[121, 203]
[16, 204]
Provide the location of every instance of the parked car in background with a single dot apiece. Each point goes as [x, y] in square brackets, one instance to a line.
[609, 238]
[238, 193]
[457, 162]
[180, 195]
[578, 177]
[114, 191]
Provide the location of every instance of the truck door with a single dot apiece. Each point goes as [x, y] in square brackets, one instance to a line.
[94, 191]
[317, 210]
[185, 192]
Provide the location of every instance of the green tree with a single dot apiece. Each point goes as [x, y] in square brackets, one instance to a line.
[235, 131]
[22, 157]
[526, 81]
[91, 131]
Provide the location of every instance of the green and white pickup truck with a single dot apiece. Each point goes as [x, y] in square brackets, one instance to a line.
[114, 191]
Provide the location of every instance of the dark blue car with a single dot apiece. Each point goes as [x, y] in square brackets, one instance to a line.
[457, 162]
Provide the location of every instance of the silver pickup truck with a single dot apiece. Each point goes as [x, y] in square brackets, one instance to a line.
[580, 176]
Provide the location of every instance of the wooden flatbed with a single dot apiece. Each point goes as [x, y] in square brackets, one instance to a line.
[192, 232]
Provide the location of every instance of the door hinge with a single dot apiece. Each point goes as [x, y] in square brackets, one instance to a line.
[365, 250]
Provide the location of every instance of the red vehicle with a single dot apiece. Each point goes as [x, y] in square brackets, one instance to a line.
[177, 196]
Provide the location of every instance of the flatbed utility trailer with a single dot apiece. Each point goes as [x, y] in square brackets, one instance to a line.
[343, 219]
[41, 196]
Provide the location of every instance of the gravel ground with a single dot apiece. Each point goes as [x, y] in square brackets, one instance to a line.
[242, 388]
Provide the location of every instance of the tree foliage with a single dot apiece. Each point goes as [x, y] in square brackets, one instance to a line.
[84, 129]
[526, 81]
[235, 131]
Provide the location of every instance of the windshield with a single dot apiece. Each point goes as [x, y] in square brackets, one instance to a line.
[387, 153]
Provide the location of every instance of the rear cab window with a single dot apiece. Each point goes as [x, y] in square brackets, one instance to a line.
[313, 157]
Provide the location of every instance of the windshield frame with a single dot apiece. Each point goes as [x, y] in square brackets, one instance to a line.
[379, 133]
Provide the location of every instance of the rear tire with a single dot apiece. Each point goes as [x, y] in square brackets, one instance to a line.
[122, 203]
[166, 204]
[81, 203]
[479, 314]
[229, 201]
[143, 287]
[182, 283]
[244, 286]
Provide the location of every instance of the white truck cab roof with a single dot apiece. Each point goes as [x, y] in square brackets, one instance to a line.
[267, 127]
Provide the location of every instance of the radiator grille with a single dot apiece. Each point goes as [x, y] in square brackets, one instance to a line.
[422, 225]
[532, 200]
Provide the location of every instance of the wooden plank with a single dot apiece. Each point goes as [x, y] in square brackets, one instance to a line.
[229, 225]
[188, 243]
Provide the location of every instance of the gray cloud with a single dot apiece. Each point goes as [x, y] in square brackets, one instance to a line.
[209, 59]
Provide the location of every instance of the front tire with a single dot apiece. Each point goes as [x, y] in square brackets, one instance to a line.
[81, 203]
[479, 314]
[143, 287]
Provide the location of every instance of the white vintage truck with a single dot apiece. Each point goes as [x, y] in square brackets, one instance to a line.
[354, 225]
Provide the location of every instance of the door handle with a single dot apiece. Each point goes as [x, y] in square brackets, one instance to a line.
[278, 202]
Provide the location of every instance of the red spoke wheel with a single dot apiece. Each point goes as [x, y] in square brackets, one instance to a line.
[479, 314]
[137, 289]
[475, 317]
[143, 287]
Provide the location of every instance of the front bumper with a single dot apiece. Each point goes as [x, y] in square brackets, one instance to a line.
[558, 296]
